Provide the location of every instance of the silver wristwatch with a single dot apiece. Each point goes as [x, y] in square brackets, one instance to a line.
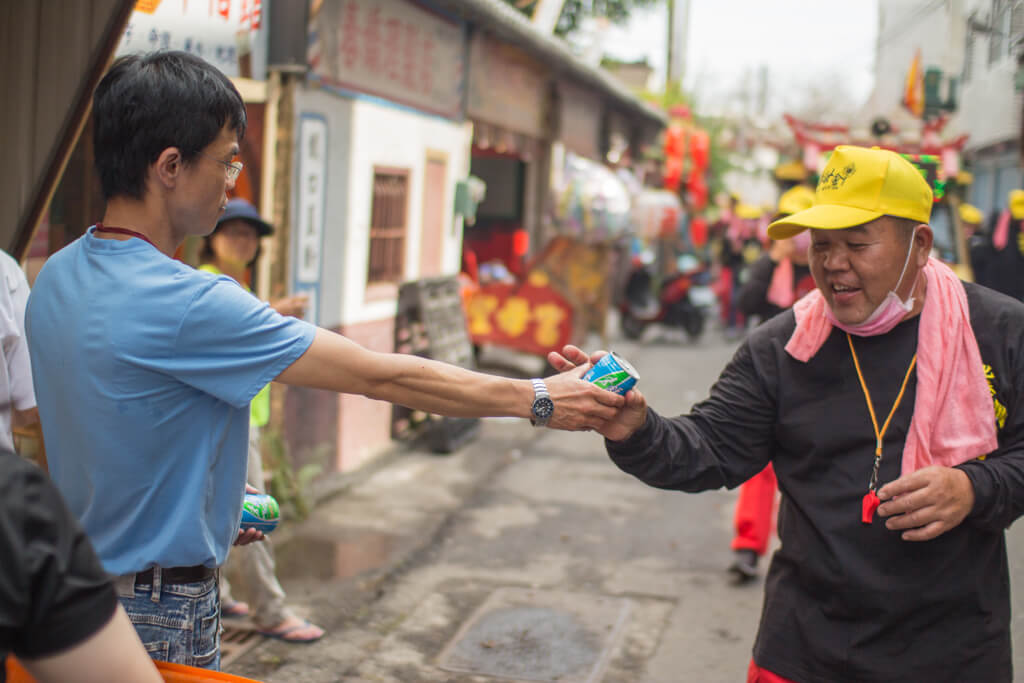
[543, 406]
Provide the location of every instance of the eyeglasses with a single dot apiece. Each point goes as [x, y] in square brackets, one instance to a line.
[234, 168]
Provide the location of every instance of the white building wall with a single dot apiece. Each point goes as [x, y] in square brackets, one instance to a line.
[990, 110]
[904, 27]
[394, 137]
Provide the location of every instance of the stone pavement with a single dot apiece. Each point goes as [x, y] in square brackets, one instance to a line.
[397, 565]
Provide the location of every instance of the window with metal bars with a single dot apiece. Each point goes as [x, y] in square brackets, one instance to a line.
[999, 28]
[969, 52]
[388, 225]
[1016, 27]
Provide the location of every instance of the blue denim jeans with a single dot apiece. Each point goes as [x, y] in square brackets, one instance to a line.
[177, 623]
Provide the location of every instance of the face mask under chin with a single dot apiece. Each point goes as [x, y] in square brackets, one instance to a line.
[889, 313]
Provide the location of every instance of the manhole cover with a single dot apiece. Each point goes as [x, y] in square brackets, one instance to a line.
[234, 642]
[536, 635]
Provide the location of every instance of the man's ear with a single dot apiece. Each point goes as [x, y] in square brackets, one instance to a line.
[168, 167]
[923, 238]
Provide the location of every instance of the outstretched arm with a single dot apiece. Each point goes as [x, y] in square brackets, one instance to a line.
[335, 363]
[727, 438]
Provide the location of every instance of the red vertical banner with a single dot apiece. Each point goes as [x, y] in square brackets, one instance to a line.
[224, 9]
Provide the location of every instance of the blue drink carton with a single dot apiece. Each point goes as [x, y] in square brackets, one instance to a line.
[260, 511]
[614, 373]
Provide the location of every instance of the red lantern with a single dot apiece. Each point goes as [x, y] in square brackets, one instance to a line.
[700, 148]
[698, 231]
[675, 143]
[698, 190]
[673, 175]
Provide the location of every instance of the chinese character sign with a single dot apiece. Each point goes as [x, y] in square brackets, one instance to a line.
[525, 317]
[230, 34]
[394, 49]
[312, 178]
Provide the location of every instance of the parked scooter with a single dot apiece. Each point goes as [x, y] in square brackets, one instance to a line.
[684, 300]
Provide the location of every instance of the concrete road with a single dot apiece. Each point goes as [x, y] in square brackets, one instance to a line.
[526, 556]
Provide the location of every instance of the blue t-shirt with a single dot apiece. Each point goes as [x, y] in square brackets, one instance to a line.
[144, 369]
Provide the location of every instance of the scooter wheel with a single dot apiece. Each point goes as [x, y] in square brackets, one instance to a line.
[694, 325]
[632, 327]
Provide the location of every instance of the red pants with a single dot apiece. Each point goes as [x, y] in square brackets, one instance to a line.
[755, 512]
[756, 674]
[723, 289]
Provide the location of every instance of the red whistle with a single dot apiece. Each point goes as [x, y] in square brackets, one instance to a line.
[869, 504]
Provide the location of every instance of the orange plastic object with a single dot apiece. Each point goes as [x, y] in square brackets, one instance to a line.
[172, 673]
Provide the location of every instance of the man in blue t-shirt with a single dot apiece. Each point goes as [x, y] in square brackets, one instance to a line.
[144, 368]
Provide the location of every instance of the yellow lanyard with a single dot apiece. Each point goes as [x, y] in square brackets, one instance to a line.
[879, 433]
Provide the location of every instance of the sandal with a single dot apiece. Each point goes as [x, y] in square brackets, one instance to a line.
[234, 609]
[291, 634]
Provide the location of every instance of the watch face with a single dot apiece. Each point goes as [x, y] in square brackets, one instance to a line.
[543, 407]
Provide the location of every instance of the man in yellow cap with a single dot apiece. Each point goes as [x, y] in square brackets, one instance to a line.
[874, 399]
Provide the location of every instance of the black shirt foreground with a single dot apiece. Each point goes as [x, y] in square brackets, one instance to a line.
[846, 601]
[54, 593]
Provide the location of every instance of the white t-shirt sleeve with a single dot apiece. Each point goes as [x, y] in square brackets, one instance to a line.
[14, 295]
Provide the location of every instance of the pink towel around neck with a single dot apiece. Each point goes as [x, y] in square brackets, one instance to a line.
[782, 290]
[1001, 234]
[954, 419]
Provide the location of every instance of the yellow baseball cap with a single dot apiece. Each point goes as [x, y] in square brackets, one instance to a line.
[1016, 201]
[970, 214]
[795, 200]
[748, 211]
[857, 186]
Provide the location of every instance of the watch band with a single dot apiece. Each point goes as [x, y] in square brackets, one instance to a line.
[539, 388]
[543, 406]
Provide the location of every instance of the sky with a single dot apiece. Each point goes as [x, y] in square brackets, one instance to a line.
[824, 46]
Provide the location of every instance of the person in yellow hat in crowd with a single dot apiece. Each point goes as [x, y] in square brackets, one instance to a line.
[774, 282]
[979, 244]
[1005, 270]
[888, 403]
[741, 247]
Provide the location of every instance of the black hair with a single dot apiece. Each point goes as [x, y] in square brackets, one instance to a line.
[906, 226]
[147, 103]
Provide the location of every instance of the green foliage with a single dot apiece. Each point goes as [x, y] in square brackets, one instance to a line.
[291, 488]
[575, 11]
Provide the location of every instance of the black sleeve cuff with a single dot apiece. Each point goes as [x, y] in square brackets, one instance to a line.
[984, 485]
[640, 438]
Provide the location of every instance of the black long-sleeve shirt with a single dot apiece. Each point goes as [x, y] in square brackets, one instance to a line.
[845, 601]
